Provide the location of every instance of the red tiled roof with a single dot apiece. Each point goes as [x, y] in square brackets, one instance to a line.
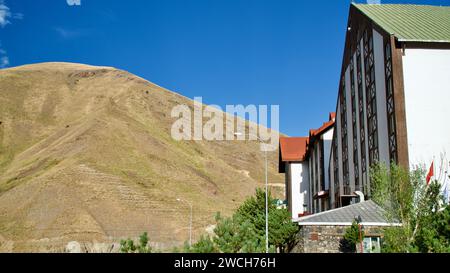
[332, 116]
[325, 126]
[296, 149]
[293, 148]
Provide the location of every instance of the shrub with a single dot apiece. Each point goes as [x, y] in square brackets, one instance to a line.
[129, 246]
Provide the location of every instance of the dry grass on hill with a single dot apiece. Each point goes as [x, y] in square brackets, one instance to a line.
[86, 155]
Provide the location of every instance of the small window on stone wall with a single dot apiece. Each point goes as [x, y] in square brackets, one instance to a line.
[372, 245]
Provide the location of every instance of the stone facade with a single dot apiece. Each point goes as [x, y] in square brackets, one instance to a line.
[327, 239]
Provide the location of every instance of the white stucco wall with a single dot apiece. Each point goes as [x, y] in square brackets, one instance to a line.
[311, 183]
[317, 175]
[427, 98]
[299, 176]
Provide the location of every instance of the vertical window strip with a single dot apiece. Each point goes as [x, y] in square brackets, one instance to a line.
[336, 171]
[354, 124]
[316, 167]
[322, 162]
[311, 179]
[369, 64]
[390, 106]
[362, 126]
[344, 138]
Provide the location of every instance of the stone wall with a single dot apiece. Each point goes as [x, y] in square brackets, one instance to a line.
[326, 239]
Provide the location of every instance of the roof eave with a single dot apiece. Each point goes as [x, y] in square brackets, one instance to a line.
[378, 224]
[402, 40]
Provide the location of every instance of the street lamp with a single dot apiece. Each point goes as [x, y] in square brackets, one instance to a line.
[359, 221]
[267, 198]
[190, 219]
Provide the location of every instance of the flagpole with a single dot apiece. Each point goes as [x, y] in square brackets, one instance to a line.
[446, 190]
[445, 183]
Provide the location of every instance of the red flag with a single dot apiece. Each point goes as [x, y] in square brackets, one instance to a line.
[430, 173]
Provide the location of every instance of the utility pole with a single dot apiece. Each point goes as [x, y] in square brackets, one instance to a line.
[267, 188]
[190, 219]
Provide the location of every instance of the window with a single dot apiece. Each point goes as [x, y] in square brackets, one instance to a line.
[354, 124]
[362, 127]
[371, 245]
[322, 164]
[390, 106]
[316, 167]
[344, 138]
[336, 171]
[311, 179]
[371, 100]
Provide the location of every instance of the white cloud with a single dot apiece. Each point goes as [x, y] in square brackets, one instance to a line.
[72, 33]
[374, 2]
[66, 33]
[18, 16]
[4, 61]
[5, 14]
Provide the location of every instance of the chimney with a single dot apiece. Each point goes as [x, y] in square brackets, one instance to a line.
[360, 196]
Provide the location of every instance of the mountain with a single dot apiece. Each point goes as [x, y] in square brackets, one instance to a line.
[86, 155]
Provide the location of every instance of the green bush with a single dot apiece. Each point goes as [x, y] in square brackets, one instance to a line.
[129, 246]
[352, 237]
[406, 197]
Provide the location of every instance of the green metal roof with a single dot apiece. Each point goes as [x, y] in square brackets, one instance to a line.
[413, 23]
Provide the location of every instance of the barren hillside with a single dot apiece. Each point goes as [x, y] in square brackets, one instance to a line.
[86, 155]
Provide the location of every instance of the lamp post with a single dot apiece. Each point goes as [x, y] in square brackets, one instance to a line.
[360, 238]
[359, 220]
[267, 190]
[190, 219]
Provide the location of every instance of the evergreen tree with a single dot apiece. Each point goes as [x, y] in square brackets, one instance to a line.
[244, 232]
[352, 237]
[129, 246]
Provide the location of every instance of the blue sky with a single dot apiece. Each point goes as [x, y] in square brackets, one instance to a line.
[270, 52]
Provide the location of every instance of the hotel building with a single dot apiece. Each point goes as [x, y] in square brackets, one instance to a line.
[392, 105]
